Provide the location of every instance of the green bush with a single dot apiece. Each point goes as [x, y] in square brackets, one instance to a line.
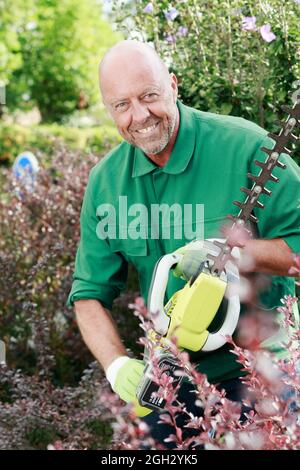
[49, 52]
[43, 138]
[221, 66]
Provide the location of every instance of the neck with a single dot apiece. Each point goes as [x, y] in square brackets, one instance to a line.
[160, 159]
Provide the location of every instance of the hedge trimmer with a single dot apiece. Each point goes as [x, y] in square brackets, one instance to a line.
[209, 269]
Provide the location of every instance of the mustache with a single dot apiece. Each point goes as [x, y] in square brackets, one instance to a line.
[143, 126]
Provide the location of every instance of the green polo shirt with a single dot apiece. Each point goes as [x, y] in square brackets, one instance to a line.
[209, 163]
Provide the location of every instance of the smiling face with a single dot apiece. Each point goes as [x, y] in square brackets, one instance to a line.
[140, 95]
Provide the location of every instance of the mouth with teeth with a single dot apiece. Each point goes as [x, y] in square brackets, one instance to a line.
[147, 130]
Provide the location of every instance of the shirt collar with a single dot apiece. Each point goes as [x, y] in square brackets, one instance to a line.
[182, 150]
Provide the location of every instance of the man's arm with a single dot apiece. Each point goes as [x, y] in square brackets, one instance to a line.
[267, 256]
[99, 331]
[278, 226]
[100, 334]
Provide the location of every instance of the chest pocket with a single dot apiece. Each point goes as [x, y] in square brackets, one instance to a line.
[130, 249]
[174, 236]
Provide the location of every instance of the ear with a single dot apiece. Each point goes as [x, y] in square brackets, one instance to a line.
[174, 85]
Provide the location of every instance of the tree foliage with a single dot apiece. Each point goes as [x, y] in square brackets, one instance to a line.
[52, 49]
[224, 62]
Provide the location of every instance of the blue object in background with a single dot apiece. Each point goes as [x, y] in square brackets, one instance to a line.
[25, 169]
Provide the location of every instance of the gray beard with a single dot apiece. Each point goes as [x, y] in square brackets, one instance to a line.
[163, 142]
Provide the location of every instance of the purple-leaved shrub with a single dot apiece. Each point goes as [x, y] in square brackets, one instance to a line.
[273, 394]
[50, 397]
[47, 391]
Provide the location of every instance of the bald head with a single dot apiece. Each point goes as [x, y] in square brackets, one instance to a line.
[129, 56]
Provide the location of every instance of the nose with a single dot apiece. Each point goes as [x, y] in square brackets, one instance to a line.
[140, 113]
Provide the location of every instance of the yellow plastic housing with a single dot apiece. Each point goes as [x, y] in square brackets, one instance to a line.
[193, 308]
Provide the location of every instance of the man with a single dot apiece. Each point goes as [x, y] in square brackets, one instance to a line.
[171, 154]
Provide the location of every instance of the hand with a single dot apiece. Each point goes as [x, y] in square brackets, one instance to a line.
[124, 375]
[194, 253]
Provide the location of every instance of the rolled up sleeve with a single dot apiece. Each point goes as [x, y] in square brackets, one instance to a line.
[281, 216]
[99, 273]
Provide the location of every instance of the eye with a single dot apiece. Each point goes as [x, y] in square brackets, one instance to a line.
[121, 106]
[150, 96]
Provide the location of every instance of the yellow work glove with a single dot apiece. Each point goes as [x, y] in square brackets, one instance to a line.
[124, 375]
[194, 253]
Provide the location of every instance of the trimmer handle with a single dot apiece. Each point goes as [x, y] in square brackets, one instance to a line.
[157, 291]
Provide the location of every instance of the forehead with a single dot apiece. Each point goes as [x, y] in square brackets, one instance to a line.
[125, 77]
